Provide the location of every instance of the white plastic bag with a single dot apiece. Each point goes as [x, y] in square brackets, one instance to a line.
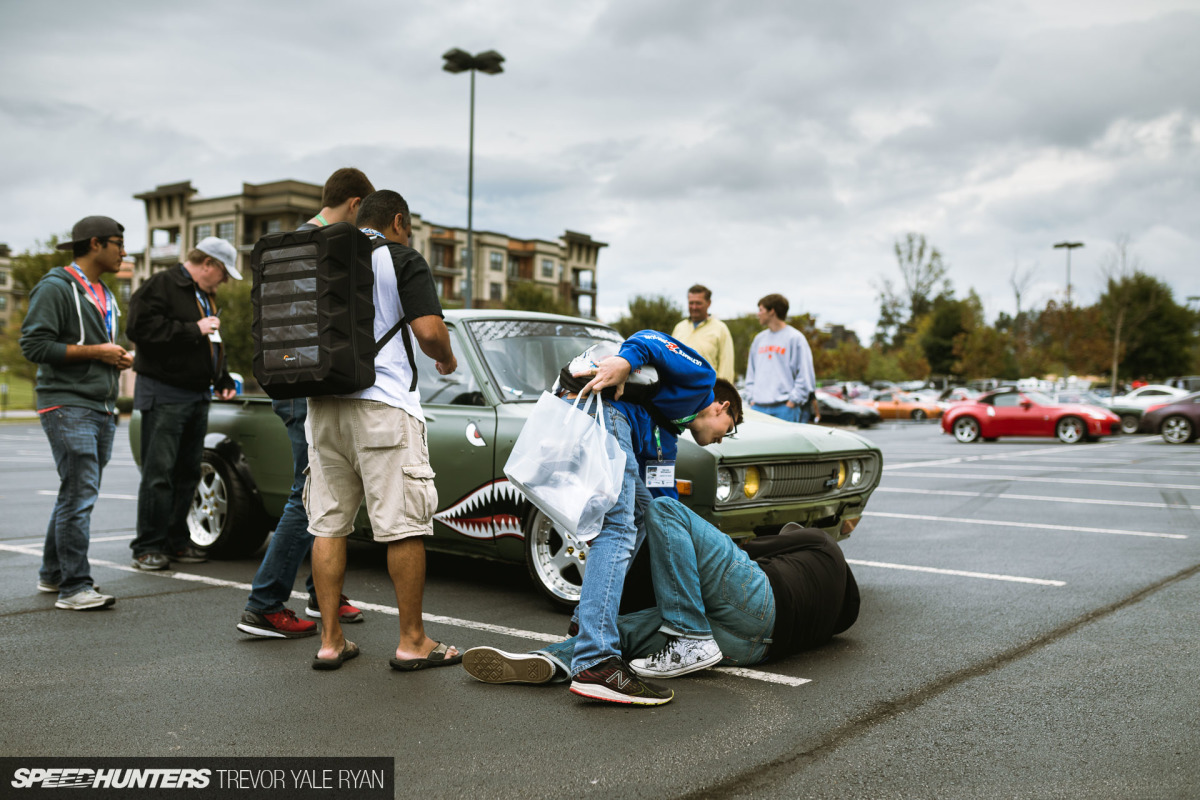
[568, 465]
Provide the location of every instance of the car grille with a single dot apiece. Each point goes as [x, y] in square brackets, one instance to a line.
[799, 480]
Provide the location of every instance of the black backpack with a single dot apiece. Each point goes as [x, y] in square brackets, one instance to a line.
[314, 312]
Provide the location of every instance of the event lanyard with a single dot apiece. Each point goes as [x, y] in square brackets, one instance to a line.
[201, 297]
[321, 219]
[658, 443]
[100, 299]
[372, 232]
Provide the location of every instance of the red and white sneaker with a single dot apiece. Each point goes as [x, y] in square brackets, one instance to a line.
[346, 612]
[279, 625]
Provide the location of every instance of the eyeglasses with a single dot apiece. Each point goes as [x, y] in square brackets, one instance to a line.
[118, 242]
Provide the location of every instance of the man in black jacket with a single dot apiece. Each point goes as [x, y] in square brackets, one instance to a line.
[717, 604]
[180, 363]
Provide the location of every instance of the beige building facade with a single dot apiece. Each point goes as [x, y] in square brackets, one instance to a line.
[8, 298]
[176, 219]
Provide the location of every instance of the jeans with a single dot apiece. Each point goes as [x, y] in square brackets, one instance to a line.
[781, 411]
[291, 541]
[81, 441]
[609, 557]
[172, 448]
[706, 586]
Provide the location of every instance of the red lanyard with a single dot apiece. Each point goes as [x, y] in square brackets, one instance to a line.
[100, 298]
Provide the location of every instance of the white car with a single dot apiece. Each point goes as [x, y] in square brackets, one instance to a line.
[1145, 396]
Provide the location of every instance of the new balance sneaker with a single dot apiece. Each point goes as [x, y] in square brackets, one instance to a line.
[346, 612]
[151, 561]
[190, 555]
[278, 625]
[613, 681]
[88, 598]
[490, 665]
[679, 657]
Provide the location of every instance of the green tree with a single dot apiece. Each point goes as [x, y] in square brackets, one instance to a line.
[237, 315]
[27, 269]
[527, 296]
[649, 312]
[742, 330]
[921, 270]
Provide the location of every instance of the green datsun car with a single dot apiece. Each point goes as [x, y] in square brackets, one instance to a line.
[770, 474]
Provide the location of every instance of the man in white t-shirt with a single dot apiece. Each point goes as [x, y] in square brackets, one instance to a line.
[372, 444]
[780, 379]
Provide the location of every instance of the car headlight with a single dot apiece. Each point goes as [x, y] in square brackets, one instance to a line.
[856, 472]
[841, 476]
[724, 484]
[750, 483]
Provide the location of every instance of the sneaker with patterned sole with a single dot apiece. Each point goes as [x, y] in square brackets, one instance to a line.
[613, 681]
[82, 601]
[490, 665]
[346, 612]
[277, 625]
[679, 657]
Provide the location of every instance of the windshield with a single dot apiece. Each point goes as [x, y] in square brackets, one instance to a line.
[525, 356]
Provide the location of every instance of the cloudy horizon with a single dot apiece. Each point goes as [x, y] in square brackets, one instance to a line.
[755, 148]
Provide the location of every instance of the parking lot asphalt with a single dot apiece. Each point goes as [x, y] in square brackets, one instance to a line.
[1028, 629]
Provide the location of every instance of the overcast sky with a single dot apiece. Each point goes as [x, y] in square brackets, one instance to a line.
[754, 147]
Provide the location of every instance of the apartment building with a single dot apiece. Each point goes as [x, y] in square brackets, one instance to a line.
[176, 219]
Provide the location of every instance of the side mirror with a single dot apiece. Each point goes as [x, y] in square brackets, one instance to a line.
[1026, 404]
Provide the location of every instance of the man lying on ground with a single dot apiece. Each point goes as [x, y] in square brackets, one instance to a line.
[717, 604]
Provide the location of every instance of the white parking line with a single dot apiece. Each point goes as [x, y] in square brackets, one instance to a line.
[1140, 469]
[1040, 526]
[102, 495]
[961, 573]
[752, 674]
[1043, 479]
[1041, 498]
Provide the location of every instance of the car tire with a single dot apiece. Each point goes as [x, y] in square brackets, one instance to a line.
[919, 414]
[1071, 430]
[555, 565]
[966, 430]
[1177, 429]
[224, 520]
[1130, 423]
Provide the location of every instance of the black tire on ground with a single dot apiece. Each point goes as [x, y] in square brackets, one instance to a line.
[1130, 423]
[1071, 430]
[1177, 429]
[555, 565]
[918, 414]
[225, 519]
[966, 429]
[989, 438]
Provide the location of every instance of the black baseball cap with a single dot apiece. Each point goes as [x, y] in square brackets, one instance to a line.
[89, 227]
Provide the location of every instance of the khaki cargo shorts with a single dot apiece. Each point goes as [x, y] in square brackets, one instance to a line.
[364, 448]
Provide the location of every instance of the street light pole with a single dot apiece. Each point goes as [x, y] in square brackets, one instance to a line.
[461, 61]
[1069, 247]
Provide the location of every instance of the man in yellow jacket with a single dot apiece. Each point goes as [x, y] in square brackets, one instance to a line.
[707, 335]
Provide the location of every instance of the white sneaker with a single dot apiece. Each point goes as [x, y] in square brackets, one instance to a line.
[679, 657]
[88, 598]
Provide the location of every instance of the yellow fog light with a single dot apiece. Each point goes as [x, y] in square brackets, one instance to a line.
[750, 486]
[841, 474]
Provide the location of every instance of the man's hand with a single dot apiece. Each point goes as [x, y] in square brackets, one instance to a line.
[446, 367]
[613, 371]
[112, 354]
[209, 325]
[790, 404]
[226, 394]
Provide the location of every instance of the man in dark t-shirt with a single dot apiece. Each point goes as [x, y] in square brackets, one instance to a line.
[717, 603]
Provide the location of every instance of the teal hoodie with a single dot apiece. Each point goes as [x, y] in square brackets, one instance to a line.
[61, 313]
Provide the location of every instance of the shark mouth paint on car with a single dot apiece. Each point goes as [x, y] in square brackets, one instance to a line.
[490, 511]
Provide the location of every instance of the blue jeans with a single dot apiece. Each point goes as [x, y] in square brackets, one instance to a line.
[609, 557]
[172, 448]
[706, 586]
[781, 411]
[291, 541]
[81, 441]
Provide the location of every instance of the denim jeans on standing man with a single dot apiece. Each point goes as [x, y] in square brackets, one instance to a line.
[609, 555]
[81, 441]
[706, 587]
[291, 541]
[172, 449]
[781, 411]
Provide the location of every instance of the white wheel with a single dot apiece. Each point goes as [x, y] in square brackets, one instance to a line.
[1177, 430]
[555, 564]
[1070, 430]
[966, 429]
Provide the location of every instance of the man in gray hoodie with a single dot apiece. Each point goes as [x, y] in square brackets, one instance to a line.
[70, 332]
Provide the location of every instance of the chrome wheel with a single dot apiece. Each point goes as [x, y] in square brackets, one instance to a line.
[210, 507]
[918, 414]
[966, 429]
[1130, 423]
[1070, 430]
[555, 563]
[1177, 430]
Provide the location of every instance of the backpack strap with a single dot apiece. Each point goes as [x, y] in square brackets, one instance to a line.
[400, 327]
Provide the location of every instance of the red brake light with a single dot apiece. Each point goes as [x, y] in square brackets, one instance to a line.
[1155, 407]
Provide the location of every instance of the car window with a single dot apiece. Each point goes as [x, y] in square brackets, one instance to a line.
[1039, 398]
[459, 388]
[525, 356]
[1008, 399]
[886, 397]
[1154, 393]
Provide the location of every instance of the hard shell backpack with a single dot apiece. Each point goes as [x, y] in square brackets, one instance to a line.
[314, 313]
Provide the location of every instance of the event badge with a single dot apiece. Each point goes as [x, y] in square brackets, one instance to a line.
[215, 337]
[660, 474]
